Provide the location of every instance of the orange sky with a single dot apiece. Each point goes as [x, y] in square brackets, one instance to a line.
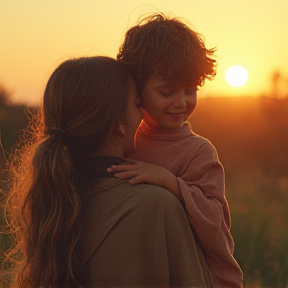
[36, 35]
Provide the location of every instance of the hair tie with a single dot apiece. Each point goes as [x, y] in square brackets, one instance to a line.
[56, 131]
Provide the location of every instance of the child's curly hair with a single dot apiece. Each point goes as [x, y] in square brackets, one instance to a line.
[169, 48]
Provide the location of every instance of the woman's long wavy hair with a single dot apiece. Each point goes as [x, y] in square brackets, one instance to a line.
[83, 102]
[167, 47]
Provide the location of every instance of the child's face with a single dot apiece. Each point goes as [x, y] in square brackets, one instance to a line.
[166, 105]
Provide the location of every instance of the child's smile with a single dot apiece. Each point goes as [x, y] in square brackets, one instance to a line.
[165, 105]
[176, 116]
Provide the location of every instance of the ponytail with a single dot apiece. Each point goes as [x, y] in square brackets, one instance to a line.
[50, 215]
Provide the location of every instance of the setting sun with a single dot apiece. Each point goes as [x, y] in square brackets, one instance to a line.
[236, 76]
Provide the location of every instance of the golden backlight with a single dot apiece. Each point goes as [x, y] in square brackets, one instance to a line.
[236, 76]
[49, 32]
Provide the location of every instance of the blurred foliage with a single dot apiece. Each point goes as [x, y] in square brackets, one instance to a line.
[14, 119]
[251, 138]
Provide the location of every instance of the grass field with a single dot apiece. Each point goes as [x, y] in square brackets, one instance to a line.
[251, 137]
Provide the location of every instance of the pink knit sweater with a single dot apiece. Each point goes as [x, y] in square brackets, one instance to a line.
[194, 161]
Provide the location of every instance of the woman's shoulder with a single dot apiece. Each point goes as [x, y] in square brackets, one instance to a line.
[160, 207]
[122, 189]
[155, 196]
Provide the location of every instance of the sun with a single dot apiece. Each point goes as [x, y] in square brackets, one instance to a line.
[236, 76]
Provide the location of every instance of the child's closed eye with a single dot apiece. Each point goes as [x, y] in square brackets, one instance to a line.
[166, 93]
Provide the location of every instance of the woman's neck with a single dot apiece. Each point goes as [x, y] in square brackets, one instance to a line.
[114, 148]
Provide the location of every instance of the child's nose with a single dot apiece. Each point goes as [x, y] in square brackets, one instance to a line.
[180, 100]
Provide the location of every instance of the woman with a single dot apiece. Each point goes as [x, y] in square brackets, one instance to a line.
[79, 225]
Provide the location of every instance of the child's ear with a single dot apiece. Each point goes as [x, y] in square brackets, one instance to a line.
[122, 127]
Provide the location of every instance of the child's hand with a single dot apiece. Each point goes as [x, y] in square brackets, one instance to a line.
[141, 172]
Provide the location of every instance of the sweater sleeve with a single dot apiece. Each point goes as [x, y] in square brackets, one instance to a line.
[203, 190]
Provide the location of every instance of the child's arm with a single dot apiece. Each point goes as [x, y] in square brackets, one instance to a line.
[203, 188]
[141, 172]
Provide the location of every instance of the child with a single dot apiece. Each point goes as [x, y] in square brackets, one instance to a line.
[169, 62]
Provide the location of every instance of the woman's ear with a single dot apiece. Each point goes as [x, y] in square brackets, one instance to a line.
[122, 127]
